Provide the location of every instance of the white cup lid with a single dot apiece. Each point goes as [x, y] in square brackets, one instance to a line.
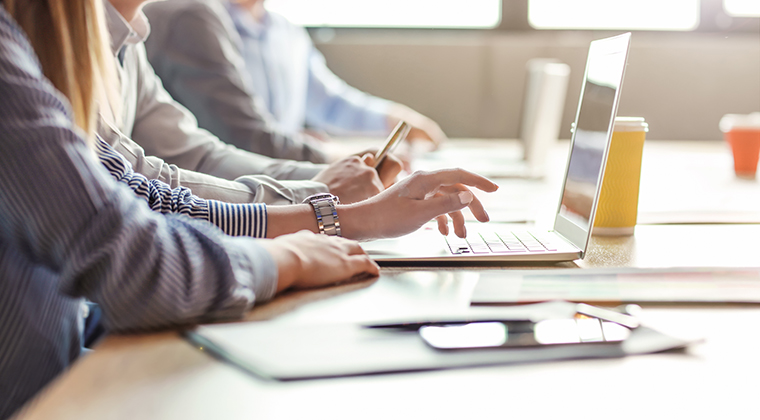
[731, 121]
[625, 124]
[630, 124]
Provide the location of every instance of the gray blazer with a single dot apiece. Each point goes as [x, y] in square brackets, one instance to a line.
[195, 50]
[162, 140]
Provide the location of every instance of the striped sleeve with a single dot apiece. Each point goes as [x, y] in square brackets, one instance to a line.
[235, 219]
[239, 219]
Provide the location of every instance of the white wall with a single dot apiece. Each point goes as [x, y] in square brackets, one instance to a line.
[472, 82]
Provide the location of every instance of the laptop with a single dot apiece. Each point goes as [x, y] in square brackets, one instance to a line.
[568, 240]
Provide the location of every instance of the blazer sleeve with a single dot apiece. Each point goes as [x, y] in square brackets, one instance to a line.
[62, 211]
[245, 189]
[195, 50]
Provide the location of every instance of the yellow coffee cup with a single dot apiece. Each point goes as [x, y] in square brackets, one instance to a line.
[617, 209]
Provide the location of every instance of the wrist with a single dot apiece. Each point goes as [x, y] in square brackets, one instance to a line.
[357, 222]
[325, 210]
[288, 261]
[282, 220]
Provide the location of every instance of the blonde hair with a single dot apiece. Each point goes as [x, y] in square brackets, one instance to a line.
[72, 43]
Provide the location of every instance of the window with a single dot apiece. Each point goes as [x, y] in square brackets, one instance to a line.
[742, 8]
[390, 13]
[669, 15]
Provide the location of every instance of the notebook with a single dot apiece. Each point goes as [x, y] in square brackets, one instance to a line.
[567, 241]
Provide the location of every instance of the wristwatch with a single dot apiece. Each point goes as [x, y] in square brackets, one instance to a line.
[327, 214]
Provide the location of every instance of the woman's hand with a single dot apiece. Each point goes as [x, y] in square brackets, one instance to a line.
[415, 200]
[389, 168]
[307, 260]
[354, 178]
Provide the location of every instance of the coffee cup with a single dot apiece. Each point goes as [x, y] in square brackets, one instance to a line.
[742, 133]
[617, 209]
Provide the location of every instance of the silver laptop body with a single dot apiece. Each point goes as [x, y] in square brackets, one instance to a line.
[594, 121]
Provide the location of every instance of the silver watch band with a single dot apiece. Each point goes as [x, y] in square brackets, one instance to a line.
[327, 213]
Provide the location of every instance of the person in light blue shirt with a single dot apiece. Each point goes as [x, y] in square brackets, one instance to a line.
[241, 69]
[292, 77]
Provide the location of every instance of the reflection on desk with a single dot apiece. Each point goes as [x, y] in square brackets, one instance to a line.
[681, 181]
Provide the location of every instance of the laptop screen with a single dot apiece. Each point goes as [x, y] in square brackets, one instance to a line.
[593, 130]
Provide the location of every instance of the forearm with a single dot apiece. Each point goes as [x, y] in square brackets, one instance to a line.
[165, 271]
[356, 221]
[339, 108]
[404, 207]
[241, 219]
[283, 220]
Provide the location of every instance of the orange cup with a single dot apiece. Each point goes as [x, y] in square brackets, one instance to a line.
[742, 133]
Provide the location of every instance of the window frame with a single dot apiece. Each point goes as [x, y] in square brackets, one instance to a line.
[514, 18]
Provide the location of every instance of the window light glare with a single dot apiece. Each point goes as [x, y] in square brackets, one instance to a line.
[390, 13]
[742, 8]
[670, 15]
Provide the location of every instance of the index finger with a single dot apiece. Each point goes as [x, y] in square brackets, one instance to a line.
[447, 177]
[475, 206]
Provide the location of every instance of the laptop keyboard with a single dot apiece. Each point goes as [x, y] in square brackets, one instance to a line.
[501, 243]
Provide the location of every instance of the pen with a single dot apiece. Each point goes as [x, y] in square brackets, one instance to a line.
[399, 133]
[414, 326]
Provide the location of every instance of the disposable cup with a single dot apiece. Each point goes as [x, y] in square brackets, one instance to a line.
[742, 133]
[617, 210]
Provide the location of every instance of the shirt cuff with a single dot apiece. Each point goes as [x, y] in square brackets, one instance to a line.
[281, 192]
[254, 268]
[239, 219]
[302, 189]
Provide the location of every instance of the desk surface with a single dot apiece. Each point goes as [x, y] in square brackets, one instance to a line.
[159, 376]
[680, 181]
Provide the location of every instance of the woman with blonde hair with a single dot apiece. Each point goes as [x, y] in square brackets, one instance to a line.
[71, 44]
[69, 230]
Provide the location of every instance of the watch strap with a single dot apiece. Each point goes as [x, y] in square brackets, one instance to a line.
[325, 209]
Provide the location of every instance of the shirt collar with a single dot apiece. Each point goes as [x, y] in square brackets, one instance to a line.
[123, 32]
[245, 23]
